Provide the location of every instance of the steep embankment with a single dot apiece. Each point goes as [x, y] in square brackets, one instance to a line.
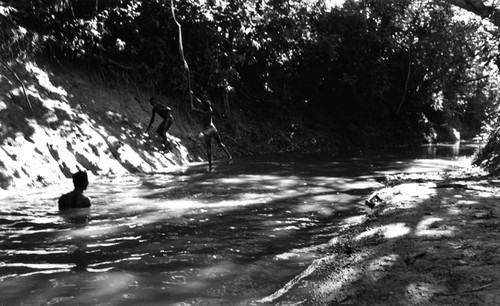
[82, 119]
[77, 121]
[488, 157]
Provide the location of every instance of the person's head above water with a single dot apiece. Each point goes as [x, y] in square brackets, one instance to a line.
[80, 180]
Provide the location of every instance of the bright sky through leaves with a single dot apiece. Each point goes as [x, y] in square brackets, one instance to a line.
[333, 3]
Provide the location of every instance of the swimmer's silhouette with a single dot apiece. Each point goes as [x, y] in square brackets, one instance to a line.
[75, 198]
[165, 113]
[209, 129]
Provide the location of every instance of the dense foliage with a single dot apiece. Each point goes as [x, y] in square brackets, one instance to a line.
[389, 70]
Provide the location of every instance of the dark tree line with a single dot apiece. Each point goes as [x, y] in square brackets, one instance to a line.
[395, 70]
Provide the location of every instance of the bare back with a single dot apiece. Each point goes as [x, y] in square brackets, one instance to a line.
[73, 199]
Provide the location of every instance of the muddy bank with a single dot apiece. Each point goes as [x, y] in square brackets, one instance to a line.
[426, 241]
[67, 120]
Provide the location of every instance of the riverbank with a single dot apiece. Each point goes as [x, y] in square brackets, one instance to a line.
[426, 241]
[58, 119]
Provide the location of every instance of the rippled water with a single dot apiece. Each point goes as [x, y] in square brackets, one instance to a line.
[189, 237]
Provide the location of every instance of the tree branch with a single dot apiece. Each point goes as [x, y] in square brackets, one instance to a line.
[20, 82]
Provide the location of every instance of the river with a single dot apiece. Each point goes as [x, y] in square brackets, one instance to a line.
[188, 237]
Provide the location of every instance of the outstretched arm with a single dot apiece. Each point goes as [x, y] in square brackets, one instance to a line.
[194, 108]
[153, 113]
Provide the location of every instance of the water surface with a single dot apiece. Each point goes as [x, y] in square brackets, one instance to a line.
[188, 237]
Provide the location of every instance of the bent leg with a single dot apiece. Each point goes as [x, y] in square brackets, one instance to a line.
[221, 145]
[162, 131]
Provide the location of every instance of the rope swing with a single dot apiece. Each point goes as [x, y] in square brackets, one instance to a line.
[181, 48]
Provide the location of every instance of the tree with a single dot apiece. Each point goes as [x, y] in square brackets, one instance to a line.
[397, 66]
[479, 7]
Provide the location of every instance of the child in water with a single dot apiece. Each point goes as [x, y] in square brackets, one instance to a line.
[75, 198]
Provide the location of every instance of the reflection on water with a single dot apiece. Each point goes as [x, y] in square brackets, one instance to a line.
[456, 150]
[228, 237]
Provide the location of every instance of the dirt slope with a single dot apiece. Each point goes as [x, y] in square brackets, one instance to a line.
[77, 121]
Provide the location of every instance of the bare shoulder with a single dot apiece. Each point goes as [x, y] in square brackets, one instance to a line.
[65, 200]
[86, 202]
